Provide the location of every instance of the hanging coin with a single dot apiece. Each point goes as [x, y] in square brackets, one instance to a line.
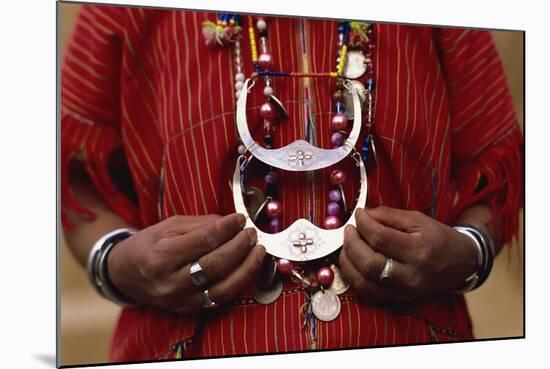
[325, 305]
[280, 107]
[255, 199]
[339, 285]
[356, 64]
[348, 98]
[268, 295]
[267, 274]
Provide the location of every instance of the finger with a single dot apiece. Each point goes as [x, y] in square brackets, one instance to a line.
[368, 290]
[229, 288]
[185, 224]
[191, 246]
[367, 261]
[221, 262]
[385, 240]
[403, 220]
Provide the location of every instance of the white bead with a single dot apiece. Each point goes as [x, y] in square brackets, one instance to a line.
[239, 85]
[241, 149]
[268, 91]
[261, 24]
[239, 77]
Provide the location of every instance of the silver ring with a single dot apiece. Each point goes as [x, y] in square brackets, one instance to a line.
[207, 303]
[197, 275]
[387, 272]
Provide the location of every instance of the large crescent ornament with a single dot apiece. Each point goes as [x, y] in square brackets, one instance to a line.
[302, 240]
[299, 155]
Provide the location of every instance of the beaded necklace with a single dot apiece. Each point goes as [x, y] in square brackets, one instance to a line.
[355, 44]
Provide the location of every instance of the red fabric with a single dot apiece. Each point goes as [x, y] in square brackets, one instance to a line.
[143, 79]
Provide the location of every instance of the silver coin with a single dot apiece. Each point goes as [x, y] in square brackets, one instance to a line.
[268, 295]
[267, 274]
[356, 64]
[326, 305]
[339, 284]
[348, 98]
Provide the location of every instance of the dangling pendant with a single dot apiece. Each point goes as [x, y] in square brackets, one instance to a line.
[325, 305]
[270, 294]
[283, 113]
[255, 199]
[339, 285]
[348, 97]
[267, 273]
[356, 64]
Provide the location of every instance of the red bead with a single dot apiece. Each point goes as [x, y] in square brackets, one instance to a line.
[265, 61]
[284, 266]
[339, 122]
[332, 222]
[274, 209]
[267, 111]
[337, 177]
[325, 276]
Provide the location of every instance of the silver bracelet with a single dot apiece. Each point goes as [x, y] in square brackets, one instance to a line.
[485, 254]
[471, 281]
[97, 266]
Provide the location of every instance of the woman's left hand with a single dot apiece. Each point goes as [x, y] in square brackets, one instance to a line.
[429, 257]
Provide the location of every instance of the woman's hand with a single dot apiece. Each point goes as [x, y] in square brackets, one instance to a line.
[152, 266]
[430, 257]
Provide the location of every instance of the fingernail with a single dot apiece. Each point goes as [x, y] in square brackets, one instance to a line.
[347, 230]
[241, 219]
[252, 235]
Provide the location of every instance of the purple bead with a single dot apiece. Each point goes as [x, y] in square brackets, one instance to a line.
[335, 195]
[275, 225]
[337, 139]
[271, 178]
[333, 208]
[274, 209]
[332, 222]
[337, 177]
[339, 122]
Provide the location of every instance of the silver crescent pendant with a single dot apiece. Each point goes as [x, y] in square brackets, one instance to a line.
[302, 240]
[299, 155]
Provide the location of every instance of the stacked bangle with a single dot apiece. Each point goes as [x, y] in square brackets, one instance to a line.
[97, 266]
[485, 252]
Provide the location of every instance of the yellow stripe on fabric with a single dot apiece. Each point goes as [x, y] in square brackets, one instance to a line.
[397, 87]
[108, 18]
[187, 63]
[141, 146]
[86, 66]
[205, 150]
[180, 107]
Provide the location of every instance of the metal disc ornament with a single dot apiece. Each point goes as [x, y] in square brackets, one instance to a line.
[348, 97]
[325, 305]
[356, 64]
[339, 285]
[268, 295]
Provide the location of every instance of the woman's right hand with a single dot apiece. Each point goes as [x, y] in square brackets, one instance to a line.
[152, 266]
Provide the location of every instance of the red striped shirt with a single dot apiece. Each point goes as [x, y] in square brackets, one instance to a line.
[144, 80]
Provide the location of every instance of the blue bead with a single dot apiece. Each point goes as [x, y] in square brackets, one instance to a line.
[365, 150]
[370, 84]
[339, 107]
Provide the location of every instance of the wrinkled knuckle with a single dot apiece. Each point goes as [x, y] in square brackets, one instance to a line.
[366, 266]
[215, 268]
[152, 269]
[224, 295]
[377, 239]
[360, 284]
